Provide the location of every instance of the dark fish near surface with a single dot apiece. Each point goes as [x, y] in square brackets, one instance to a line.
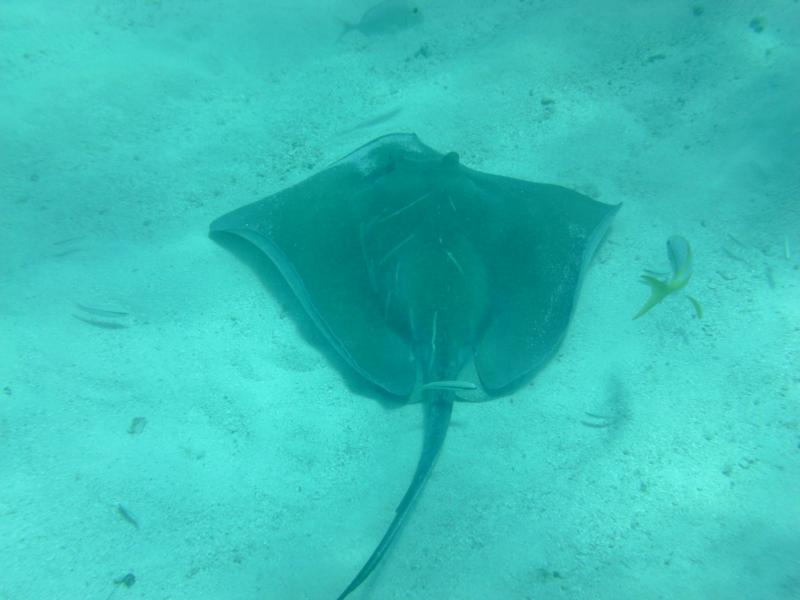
[388, 16]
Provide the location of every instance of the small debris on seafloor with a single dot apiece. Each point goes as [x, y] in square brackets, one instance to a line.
[137, 425]
[757, 24]
[126, 580]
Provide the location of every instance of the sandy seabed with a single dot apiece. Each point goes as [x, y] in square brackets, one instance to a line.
[245, 464]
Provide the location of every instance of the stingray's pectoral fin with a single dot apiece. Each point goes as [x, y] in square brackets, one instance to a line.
[658, 291]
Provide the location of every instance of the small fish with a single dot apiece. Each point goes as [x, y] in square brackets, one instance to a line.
[101, 312]
[101, 324]
[64, 253]
[67, 241]
[388, 16]
[127, 516]
[66, 247]
[680, 259]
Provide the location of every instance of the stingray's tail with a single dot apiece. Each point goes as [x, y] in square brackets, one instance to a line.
[437, 420]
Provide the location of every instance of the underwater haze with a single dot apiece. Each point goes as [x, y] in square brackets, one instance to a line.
[173, 427]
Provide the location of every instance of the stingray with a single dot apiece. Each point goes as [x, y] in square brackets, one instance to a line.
[435, 282]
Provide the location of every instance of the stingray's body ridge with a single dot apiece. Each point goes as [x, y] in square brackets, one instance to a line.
[429, 278]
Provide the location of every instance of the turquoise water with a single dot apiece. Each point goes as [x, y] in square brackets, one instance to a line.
[171, 424]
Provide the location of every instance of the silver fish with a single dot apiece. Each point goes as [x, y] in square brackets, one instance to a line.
[388, 16]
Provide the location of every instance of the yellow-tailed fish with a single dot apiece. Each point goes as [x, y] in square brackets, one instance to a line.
[680, 259]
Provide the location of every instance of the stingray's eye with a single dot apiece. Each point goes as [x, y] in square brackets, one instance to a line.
[415, 10]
